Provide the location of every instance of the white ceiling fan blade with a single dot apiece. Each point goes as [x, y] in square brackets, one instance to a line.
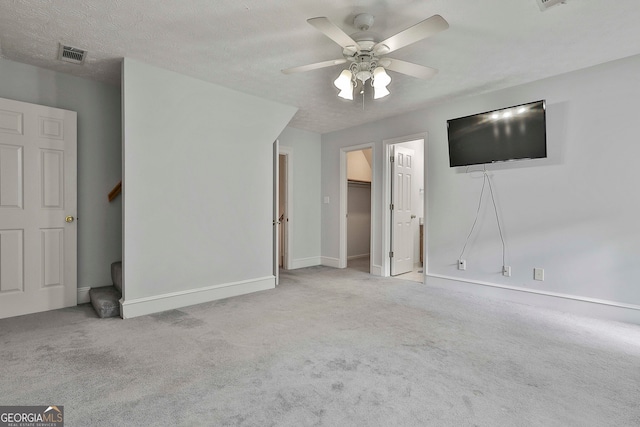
[330, 30]
[315, 66]
[409, 68]
[420, 31]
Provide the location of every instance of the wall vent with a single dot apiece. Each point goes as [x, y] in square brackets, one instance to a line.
[71, 54]
[546, 4]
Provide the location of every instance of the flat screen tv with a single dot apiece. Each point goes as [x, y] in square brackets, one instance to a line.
[513, 133]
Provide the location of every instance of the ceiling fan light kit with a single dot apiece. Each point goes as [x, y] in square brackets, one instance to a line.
[343, 82]
[380, 82]
[365, 56]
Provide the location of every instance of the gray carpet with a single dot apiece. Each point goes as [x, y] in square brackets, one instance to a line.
[327, 347]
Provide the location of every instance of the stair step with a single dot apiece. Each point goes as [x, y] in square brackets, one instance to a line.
[116, 275]
[106, 301]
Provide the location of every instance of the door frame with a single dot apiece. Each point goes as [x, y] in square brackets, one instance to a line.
[288, 221]
[387, 145]
[275, 235]
[342, 257]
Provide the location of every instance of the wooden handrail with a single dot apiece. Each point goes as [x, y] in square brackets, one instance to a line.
[116, 190]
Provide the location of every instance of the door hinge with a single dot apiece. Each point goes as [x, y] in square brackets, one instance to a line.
[391, 254]
[392, 159]
[391, 206]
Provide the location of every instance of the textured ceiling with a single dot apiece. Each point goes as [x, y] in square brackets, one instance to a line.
[243, 44]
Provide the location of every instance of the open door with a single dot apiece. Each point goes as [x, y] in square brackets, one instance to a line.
[401, 210]
[38, 206]
[276, 209]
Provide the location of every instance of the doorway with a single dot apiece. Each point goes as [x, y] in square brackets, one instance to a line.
[282, 211]
[359, 174]
[357, 195]
[405, 208]
[283, 207]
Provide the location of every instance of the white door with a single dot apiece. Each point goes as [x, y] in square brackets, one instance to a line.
[276, 209]
[38, 206]
[401, 213]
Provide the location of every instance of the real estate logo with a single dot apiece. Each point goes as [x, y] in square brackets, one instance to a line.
[32, 416]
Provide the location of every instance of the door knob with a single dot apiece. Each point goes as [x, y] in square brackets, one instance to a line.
[69, 219]
[413, 216]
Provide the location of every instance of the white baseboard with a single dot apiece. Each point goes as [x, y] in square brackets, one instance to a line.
[143, 306]
[305, 262]
[574, 304]
[330, 262]
[83, 295]
[349, 258]
[376, 270]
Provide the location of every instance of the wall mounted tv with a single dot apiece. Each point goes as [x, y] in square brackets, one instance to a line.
[513, 133]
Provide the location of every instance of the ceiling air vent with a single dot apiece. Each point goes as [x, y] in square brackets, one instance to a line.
[71, 54]
[546, 4]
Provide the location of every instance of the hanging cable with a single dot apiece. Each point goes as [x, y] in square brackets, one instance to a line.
[495, 209]
[485, 179]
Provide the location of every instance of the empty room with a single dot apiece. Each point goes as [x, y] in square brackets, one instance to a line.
[292, 213]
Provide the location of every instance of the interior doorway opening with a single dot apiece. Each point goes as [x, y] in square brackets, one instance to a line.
[357, 216]
[283, 207]
[359, 178]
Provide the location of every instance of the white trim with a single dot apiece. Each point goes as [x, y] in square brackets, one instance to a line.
[592, 307]
[330, 262]
[376, 270]
[386, 198]
[143, 306]
[342, 257]
[342, 216]
[276, 227]
[83, 295]
[305, 262]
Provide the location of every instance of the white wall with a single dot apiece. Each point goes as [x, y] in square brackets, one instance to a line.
[573, 214]
[305, 219]
[99, 157]
[198, 188]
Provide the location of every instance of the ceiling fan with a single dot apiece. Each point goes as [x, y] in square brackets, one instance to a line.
[366, 57]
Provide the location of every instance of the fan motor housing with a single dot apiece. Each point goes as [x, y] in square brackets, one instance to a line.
[366, 45]
[363, 21]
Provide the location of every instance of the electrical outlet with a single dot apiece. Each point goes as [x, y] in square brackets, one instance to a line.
[506, 271]
[462, 264]
[538, 274]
